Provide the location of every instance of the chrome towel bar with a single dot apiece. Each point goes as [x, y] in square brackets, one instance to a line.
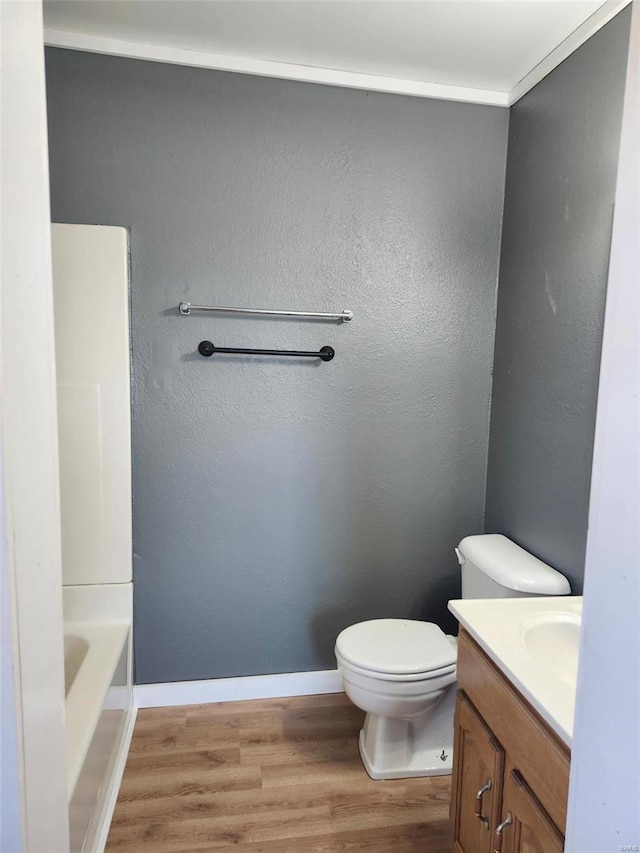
[186, 308]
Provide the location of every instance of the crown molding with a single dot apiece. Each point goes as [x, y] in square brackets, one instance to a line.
[267, 68]
[577, 38]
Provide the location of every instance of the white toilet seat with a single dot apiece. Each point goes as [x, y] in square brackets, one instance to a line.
[381, 675]
[395, 688]
[396, 650]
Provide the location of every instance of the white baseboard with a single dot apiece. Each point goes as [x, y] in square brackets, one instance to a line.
[104, 825]
[234, 689]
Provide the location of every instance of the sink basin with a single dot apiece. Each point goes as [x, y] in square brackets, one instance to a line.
[535, 642]
[553, 640]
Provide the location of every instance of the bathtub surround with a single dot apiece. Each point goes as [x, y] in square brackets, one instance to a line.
[277, 502]
[561, 172]
[91, 306]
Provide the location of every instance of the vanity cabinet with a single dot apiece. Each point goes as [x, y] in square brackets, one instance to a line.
[511, 771]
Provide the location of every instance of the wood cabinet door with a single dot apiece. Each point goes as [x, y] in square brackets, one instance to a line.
[530, 829]
[477, 781]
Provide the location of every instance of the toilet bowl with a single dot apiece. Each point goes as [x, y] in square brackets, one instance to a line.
[402, 673]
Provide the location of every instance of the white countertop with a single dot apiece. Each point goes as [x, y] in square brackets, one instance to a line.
[534, 641]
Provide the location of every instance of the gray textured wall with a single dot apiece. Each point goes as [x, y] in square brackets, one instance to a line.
[561, 170]
[276, 502]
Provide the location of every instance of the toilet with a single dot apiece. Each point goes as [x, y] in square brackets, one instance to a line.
[402, 672]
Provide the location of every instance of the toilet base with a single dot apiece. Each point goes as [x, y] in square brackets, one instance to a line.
[402, 748]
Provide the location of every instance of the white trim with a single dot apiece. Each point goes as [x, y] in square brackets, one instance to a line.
[115, 781]
[234, 689]
[28, 423]
[267, 68]
[604, 784]
[577, 38]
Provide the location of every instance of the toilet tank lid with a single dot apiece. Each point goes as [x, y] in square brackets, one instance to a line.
[511, 566]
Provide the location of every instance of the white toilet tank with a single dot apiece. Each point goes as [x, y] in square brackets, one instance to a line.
[493, 566]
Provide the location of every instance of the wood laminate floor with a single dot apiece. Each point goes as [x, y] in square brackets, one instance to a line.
[268, 776]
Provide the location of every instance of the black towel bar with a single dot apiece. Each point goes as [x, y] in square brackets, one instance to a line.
[206, 348]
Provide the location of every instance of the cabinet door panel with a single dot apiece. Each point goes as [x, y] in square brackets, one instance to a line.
[478, 764]
[531, 829]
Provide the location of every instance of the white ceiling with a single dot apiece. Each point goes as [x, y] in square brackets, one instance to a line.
[417, 46]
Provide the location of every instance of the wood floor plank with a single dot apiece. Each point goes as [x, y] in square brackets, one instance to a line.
[428, 837]
[281, 824]
[220, 831]
[347, 769]
[303, 752]
[297, 733]
[372, 809]
[323, 716]
[273, 706]
[196, 796]
[179, 783]
[179, 737]
[271, 776]
[302, 844]
[164, 713]
[167, 759]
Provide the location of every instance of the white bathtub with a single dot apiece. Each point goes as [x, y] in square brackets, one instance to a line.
[98, 709]
[92, 651]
